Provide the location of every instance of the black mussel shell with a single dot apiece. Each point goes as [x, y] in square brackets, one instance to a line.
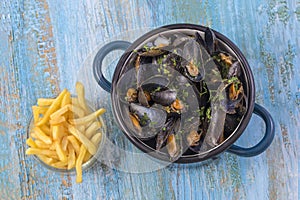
[164, 97]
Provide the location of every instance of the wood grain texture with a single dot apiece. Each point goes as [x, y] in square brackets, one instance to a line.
[44, 45]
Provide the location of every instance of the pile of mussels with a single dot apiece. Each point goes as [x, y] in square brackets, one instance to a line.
[216, 77]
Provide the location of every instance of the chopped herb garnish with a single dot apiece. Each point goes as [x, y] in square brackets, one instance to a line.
[233, 79]
[157, 89]
[159, 60]
[185, 94]
[201, 111]
[144, 120]
[166, 71]
[208, 113]
[190, 119]
[146, 47]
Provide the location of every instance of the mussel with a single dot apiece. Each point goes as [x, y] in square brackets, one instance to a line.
[234, 95]
[143, 97]
[131, 95]
[152, 117]
[224, 62]
[174, 147]
[162, 41]
[193, 138]
[164, 96]
[199, 39]
[158, 47]
[234, 70]
[210, 41]
[171, 126]
[193, 60]
[172, 59]
[177, 105]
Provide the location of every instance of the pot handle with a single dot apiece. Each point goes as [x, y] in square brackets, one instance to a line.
[97, 64]
[265, 141]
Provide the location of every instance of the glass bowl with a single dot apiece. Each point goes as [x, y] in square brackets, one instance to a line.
[85, 166]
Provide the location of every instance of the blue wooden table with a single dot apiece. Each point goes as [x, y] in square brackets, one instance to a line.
[47, 45]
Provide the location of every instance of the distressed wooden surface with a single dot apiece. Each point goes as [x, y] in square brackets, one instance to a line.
[44, 45]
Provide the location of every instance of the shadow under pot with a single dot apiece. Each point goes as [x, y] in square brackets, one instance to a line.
[183, 93]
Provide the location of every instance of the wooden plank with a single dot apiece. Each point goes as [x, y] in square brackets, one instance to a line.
[44, 45]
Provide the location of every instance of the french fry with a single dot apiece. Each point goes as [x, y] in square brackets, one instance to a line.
[37, 151]
[60, 112]
[53, 146]
[31, 143]
[33, 135]
[42, 136]
[88, 118]
[79, 163]
[57, 121]
[46, 159]
[37, 111]
[71, 157]
[64, 143]
[53, 107]
[83, 139]
[87, 156]
[77, 111]
[81, 99]
[96, 138]
[66, 100]
[60, 152]
[75, 143]
[58, 132]
[41, 109]
[42, 145]
[44, 102]
[45, 129]
[91, 130]
[81, 128]
[60, 165]
[75, 101]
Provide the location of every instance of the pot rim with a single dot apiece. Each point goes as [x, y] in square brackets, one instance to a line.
[213, 151]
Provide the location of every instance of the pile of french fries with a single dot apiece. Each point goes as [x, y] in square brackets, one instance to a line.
[65, 132]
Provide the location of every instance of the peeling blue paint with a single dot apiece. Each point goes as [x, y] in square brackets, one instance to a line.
[265, 31]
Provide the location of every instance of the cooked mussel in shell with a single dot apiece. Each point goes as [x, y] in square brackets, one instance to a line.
[164, 97]
[145, 115]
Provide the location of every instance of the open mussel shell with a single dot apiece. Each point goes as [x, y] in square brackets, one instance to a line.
[193, 56]
[193, 137]
[171, 126]
[150, 119]
[162, 41]
[174, 146]
[169, 139]
[234, 70]
[143, 97]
